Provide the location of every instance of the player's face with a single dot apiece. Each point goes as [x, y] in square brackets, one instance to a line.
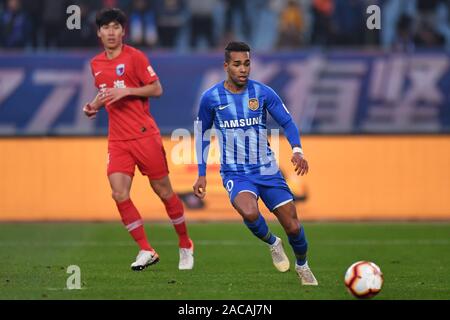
[111, 35]
[238, 68]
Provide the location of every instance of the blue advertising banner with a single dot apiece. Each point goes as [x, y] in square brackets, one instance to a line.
[339, 92]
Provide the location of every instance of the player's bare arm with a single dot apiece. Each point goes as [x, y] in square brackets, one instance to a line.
[111, 95]
[301, 166]
[200, 187]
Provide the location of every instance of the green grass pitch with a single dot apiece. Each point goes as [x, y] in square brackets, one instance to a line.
[230, 263]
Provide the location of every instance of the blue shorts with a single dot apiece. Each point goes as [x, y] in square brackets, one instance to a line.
[272, 189]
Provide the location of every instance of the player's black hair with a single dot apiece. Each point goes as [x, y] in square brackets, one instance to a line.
[235, 46]
[108, 15]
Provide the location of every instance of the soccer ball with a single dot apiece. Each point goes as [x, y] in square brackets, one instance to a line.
[364, 279]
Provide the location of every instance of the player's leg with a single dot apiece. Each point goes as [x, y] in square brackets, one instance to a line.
[151, 160]
[175, 211]
[246, 204]
[120, 173]
[132, 220]
[287, 216]
[174, 208]
[244, 198]
[278, 198]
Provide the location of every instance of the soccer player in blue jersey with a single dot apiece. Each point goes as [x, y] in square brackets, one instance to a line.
[237, 107]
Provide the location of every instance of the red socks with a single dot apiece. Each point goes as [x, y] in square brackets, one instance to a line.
[175, 211]
[132, 220]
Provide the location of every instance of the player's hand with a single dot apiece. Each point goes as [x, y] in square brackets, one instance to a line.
[89, 111]
[111, 95]
[300, 164]
[96, 104]
[200, 187]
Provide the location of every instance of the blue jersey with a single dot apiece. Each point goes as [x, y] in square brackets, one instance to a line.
[240, 121]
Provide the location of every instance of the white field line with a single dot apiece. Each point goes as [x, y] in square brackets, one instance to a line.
[340, 242]
[65, 289]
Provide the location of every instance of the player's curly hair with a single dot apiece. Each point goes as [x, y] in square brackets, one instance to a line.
[108, 15]
[235, 46]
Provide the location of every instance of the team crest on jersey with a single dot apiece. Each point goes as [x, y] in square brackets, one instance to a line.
[253, 104]
[120, 69]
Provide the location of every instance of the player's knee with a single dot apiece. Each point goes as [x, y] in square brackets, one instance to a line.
[164, 193]
[250, 213]
[293, 228]
[162, 188]
[120, 196]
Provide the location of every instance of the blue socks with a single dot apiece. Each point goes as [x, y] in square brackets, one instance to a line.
[260, 229]
[298, 242]
[300, 246]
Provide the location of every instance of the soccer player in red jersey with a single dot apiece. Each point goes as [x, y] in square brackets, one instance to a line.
[126, 80]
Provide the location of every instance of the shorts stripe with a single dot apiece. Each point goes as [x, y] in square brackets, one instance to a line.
[256, 196]
[282, 203]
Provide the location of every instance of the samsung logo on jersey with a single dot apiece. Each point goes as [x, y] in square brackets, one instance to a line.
[238, 123]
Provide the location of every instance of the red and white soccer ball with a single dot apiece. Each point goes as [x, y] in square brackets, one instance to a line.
[364, 279]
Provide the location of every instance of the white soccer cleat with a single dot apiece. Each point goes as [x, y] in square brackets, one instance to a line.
[144, 259]
[306, 276]
[186, 258]
[279, 258]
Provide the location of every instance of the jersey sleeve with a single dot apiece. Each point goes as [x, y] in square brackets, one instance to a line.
[203, 123]
[276, 107]
[281, 115]
[143, 69]
[93, 73]
[92, 68]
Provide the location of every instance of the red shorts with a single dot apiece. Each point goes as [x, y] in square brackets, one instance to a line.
[147, 153]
